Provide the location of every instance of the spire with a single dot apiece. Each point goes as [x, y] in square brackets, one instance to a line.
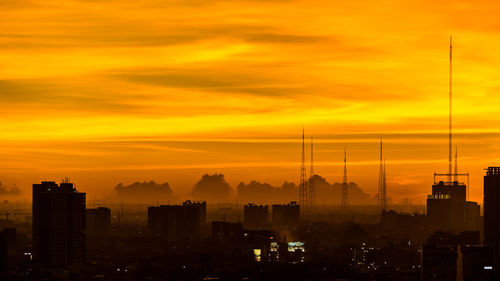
[303, 184]
[312, 187]
[345, 190]
[450, 135]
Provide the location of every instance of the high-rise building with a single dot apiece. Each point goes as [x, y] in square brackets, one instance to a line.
[177, 222]
[58, 225]
[98, 221]
[446, 206]
[286, 214]
[255, 216]
[492, 210]
[227, 233]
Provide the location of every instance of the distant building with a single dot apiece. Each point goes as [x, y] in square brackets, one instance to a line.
[8, 249]
[492, 210]
[98, 221]
[286, 214]
[58, 225]
[177, 222]
[227, 233]
[255, 216]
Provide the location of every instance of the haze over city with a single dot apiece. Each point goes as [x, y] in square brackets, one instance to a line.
[123, 91]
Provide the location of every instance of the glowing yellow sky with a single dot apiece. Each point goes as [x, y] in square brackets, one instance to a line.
[118, 91]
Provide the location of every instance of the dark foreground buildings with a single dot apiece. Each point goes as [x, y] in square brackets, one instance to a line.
[8, 249]
[58, 225]
[456, 256]
[177, 222]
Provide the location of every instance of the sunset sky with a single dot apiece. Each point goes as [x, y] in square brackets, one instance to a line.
[121, 91]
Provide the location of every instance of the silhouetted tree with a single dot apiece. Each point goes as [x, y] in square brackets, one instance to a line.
[140, 192]
[212, 188]
[4, 190]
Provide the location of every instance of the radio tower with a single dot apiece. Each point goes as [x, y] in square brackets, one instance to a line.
[303, 183]
[456, 164]
[312, 187]
[450, 139]
[345, 190]
[381, 189]
[384, 190]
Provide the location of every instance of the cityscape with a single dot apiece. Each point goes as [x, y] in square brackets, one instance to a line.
[249, 140]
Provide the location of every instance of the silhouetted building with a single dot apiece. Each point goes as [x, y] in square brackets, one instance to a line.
[98, 221]
[492, 210]
[177, 222]
[286, 214]
[8, 249]
[227, 233]
[472, 219]
[448, 210]
[198, 207]
[58, 225]
[255, 216]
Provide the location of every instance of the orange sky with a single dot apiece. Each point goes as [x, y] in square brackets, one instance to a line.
[119, 91]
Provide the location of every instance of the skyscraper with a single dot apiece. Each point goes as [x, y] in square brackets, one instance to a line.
[58, 225]
[492, 210]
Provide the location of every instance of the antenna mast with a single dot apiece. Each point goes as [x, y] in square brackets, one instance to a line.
[345, 190]
[384, 191]
[312, 187]
[380, 196]
[450, 139]
[303, 184]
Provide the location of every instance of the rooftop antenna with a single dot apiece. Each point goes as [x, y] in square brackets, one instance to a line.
[303, 185]
[312, 187]
[345, 190]
[450, 138]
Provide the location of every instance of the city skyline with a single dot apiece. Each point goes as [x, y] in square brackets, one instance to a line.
[106, 96]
